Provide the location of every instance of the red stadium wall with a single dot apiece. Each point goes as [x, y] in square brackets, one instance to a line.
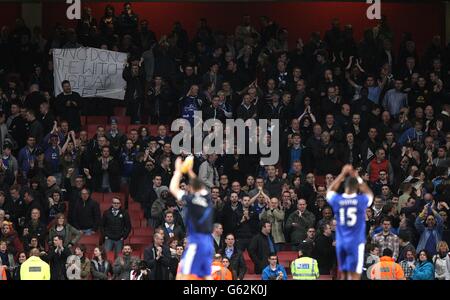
[9, 12]
[423, 20]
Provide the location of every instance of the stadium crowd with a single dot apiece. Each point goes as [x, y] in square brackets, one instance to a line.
[340, 101]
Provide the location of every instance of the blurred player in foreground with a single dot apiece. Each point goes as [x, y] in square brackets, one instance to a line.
[197, 259]
[350, 210]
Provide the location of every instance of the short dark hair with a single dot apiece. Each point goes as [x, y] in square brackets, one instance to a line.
[60, 237]
[388, 252]
[65, 82]
[405, 236]
[351, 183]
[263, 224]
[197, 184]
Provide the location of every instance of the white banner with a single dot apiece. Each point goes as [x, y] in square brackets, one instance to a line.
[92, 72]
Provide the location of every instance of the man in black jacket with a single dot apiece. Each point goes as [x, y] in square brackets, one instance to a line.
[116, 226]
[324, 250]
[235, 256]
[68, 105]
[57, 258]
[86, 214]
[157, 258]
[261, 246]
[106, 172]
[134, 75]
[232, 214]
[73, 193]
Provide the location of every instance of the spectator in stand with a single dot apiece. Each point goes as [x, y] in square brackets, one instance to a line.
[157, 258]
[122, 264]
[441, 262]
[274, 271]
[86, 214]
[261, 246]
[100, 267]
[11, 237]
[298, 223]
[423, 269]
[235, 258]
[217, 237]
[431, 234]
[57, 257]
[106, 172]
[387, 239]
[275, 216]
[134, 75]
[408, 264]
[324, 250]
[116, 226]
[68, 105]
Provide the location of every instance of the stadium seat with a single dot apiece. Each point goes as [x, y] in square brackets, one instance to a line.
[90, 239]
[135, 222]
[286, 257]
[92, 130]
[83, 120]
[249, 263]
[146, 231]
[104, 206]
[133, 126]
[96, 120]
[319, 180]
[153, 130]
[133, 206]
[121, 120]
[252, 277]
[110, 256]
[141, 240]
[120, 111]
[97, 197]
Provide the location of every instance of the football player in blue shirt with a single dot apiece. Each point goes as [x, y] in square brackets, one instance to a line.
[350, 212]
[197, 259]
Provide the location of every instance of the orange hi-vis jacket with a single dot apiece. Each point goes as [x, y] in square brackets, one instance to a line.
[386, 269]
[219, 272]
[3, 273]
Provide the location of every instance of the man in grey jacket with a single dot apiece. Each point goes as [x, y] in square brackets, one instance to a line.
[208, 172]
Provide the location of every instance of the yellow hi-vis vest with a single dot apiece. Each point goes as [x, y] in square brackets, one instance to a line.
[34, 268]
[304, 268]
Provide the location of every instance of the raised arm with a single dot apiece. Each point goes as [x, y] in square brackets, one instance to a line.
[174, 186]
[334, 186]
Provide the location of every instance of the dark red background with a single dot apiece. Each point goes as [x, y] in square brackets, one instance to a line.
[423, 20]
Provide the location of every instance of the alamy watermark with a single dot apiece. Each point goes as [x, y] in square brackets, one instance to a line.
[234, 137]
[73, 12]
[374, 10]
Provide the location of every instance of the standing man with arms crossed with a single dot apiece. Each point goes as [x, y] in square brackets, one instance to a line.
[197, 260]
[350, 209]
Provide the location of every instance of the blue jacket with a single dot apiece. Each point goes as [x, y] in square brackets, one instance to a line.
[410, 135]
[25, 157]
[423, 271]
[268, 273]
[425, 234]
